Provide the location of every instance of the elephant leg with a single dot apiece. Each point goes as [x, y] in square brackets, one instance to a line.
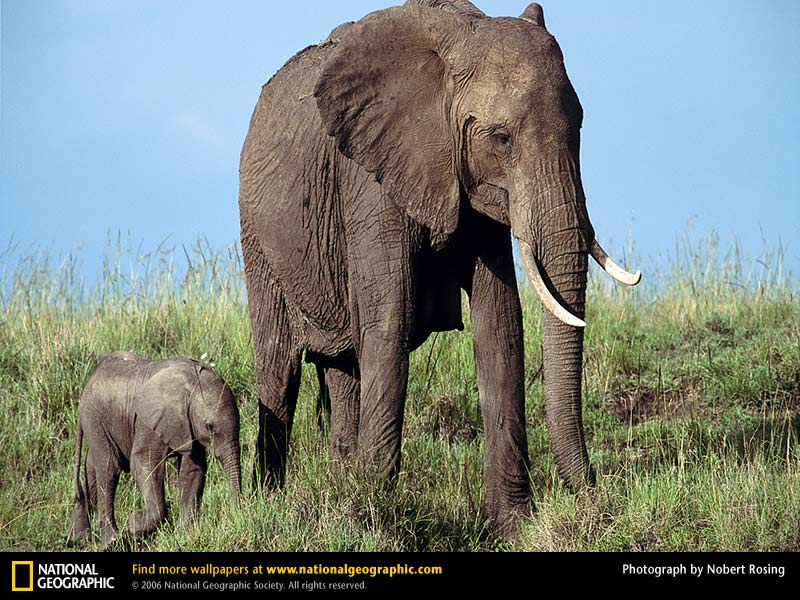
[90, 479]
[278, 365]
[85, 504]
[278, 386]
[79, 530]
[107, 471]
[498, 346]
[148, 467]
[191, 481]
[381, 277]
[323, 401]
[345, 391]
[384, 380]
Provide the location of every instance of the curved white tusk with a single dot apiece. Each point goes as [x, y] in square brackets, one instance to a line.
[535, 277]
[612, 268]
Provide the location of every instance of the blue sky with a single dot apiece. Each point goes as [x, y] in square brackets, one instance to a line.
[130, 116]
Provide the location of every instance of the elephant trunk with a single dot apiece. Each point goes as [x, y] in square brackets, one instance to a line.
[555, 243]
[233, 470]
[562, 372]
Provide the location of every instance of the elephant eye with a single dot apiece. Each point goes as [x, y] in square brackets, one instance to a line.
[502, 138]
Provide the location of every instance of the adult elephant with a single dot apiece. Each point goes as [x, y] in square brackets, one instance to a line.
[384, 171]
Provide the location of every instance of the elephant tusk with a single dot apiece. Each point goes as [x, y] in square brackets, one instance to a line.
[612, 268]
[546, 298]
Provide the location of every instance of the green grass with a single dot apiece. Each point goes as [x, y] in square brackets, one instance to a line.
[691, 403]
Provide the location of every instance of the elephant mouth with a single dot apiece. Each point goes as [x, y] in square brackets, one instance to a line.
[547, 299]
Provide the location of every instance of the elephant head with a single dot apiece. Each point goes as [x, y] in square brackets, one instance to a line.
[213, 420]
[449, 107]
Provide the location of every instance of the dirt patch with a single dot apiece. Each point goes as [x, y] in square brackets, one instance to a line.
[647, 542]
[644, 403]
[719, 326]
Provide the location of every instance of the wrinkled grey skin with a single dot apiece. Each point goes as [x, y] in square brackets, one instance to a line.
[384, 171]
[133, 414]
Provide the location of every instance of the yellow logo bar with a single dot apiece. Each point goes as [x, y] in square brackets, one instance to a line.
[15, 564]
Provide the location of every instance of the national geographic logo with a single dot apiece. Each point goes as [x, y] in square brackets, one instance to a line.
[26, 577]
[21, 575]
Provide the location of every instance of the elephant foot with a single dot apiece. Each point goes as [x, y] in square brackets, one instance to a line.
[189, 517]
[79, 530]
[378, 465]
[505, 524]
[77, 536]
[108, 538]
[343, 449]
[582, 480]
[140, 526]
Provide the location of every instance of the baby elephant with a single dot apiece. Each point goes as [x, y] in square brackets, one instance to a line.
[134, 414]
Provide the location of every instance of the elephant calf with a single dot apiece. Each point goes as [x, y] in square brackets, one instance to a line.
[135, 413]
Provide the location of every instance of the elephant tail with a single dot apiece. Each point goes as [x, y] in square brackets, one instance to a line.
[323, 401]
[79, 491]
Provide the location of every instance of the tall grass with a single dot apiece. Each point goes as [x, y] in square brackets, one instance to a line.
[691, 406]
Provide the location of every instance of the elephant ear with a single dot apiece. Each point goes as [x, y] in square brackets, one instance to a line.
[533, 13]
[164, 407]
[385, 94]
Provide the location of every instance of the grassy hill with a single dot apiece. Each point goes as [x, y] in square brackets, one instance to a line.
[691, 404]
